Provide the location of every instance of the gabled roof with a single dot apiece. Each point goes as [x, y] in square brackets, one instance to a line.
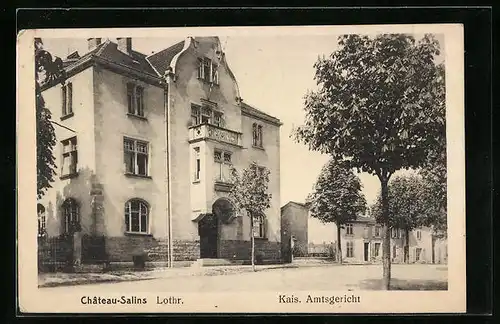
[161, 60]
[108, 51]
[136, 60]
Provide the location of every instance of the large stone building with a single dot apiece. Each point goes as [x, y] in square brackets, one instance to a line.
[144, 147]
[361, 239]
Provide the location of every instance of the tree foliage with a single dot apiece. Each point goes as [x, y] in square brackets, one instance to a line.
[337, 195]
[380, 105]
[407, 203]
[434, 175]
[47, 70]
[249, 193]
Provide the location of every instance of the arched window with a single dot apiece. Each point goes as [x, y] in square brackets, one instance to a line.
[136, 216]
[71, 215]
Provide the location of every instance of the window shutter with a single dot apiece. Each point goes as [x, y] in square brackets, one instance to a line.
[265, 226]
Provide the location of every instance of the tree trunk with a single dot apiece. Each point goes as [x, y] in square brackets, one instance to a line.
[386, 253]
[252, 238]
[433, 246]
[407, 246]
[339, 245]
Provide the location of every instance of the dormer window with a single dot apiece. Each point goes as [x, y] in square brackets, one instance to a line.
[207, 70]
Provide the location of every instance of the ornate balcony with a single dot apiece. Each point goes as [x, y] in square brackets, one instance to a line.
[212, 132]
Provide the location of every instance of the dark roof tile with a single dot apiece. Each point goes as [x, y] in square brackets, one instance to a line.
[161, 60]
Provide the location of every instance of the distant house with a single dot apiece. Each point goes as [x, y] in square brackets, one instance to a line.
[309, 235]
[361, 239]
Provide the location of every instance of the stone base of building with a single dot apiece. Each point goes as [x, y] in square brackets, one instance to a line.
[242, 250]
[100, 253]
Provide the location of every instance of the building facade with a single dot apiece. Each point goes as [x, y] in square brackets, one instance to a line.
[309, 235]
[145, 145]
[361, 239]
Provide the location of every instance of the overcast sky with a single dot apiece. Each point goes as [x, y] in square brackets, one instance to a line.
[273, 74]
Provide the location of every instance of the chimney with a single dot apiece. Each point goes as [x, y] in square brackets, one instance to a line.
[93, 43]
[125, 44]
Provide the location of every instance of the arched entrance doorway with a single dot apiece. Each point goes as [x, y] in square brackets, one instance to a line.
[209, 228]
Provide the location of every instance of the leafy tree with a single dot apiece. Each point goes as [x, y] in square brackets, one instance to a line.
[434, 176]
[380, 105]
[249, 192]
[47, 70]
[337, 197]
[407, 206]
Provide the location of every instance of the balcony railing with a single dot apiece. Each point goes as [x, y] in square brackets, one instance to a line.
[207, 131]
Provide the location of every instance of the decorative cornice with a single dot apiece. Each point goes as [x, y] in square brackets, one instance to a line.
[270, 120]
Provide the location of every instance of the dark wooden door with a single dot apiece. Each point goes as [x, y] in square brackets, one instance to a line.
[209, 236]
[367, 250]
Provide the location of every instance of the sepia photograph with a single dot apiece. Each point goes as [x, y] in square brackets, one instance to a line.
[283, 169]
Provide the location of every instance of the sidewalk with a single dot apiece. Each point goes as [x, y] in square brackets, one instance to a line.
[69, 279]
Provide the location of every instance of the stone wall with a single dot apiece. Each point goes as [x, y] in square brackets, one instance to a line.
[122, 249]
[241, 250]
[186, 250]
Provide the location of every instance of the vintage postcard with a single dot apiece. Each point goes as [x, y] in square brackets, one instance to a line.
[305, 169]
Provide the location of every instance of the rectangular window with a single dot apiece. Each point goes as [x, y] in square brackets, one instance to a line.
[195, 115]
[206, 115]
[218, 119]
[377, 249]
[222, 165]
[377, 231]
[419, 235]
[200, 69]
[418, 251]
[135, 100]
[136, 157]
[349, 229]
[257, 135]
[69, 157]
[350, 249]
[139, 102]
[197, 164]
[394, 233]
[259, 229]
[207, 70]
[215, 77]
[67, 99]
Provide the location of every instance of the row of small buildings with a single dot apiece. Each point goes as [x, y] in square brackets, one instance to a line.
[361, 239]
